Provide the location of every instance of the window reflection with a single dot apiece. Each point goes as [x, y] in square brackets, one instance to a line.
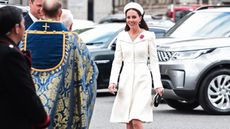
[204, 25]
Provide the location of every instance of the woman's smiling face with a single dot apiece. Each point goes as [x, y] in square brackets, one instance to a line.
[133, 18]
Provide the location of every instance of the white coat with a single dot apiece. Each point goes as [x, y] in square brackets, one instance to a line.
[133, 100]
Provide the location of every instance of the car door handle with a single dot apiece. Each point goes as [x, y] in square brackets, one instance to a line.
[102, 61]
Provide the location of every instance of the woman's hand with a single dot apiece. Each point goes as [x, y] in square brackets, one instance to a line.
[159, 90]
[112, 88]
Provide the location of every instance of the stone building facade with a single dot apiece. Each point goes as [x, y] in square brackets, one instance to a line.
[102, 8]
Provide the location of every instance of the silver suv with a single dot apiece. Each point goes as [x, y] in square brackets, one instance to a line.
[195, 62]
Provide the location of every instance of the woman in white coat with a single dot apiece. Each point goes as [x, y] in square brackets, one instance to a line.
[134, 47]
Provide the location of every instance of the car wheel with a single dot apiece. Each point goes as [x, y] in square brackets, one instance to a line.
[214, 95]
[182, 105]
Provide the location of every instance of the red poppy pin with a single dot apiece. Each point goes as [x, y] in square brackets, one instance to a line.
[142, 36]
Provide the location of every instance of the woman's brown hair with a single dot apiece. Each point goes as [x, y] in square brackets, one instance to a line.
[142, 24]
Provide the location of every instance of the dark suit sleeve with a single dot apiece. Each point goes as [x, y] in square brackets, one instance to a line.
[28, 21]
[23, 89]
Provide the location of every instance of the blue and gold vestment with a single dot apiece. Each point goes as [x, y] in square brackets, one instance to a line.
[63, 73]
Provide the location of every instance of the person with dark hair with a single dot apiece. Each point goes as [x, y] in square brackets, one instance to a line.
[20, 108]
[62, 69]
[34, 13]
[135, 47]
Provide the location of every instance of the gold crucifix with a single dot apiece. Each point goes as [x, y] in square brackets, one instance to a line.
[46, 26]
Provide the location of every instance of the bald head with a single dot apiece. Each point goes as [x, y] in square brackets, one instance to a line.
[52, 9]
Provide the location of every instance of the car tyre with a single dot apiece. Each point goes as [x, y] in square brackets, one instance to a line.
[182, 105]
[214, 95]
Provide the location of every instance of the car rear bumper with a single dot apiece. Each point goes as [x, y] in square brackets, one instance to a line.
[170, 94]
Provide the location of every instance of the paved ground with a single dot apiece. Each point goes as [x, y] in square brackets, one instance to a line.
[165, 117]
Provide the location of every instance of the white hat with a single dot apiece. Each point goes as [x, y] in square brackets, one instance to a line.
[134, 5]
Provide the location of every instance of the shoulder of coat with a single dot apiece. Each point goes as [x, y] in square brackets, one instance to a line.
[122, 35]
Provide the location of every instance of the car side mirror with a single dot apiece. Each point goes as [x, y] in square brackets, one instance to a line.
[113, 45]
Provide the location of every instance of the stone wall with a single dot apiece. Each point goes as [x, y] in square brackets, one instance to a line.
[104, 8]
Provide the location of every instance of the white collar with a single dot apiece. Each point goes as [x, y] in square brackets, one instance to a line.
[34, 19]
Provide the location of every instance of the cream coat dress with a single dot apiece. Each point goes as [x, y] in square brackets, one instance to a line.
[133, 99]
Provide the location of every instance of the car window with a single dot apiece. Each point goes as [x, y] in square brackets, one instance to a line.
[180, 14]
[82, 30]
[203, 24]
[100, 35]
[96, 36]
[158, 32]
[227, 34]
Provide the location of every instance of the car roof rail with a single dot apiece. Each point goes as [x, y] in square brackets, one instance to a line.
[4, 2]
[211, 6]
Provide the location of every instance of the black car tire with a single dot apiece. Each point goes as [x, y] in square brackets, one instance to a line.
[182, 105]
[204, 100]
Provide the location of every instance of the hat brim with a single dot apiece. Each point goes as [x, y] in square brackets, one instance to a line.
[134, 5]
